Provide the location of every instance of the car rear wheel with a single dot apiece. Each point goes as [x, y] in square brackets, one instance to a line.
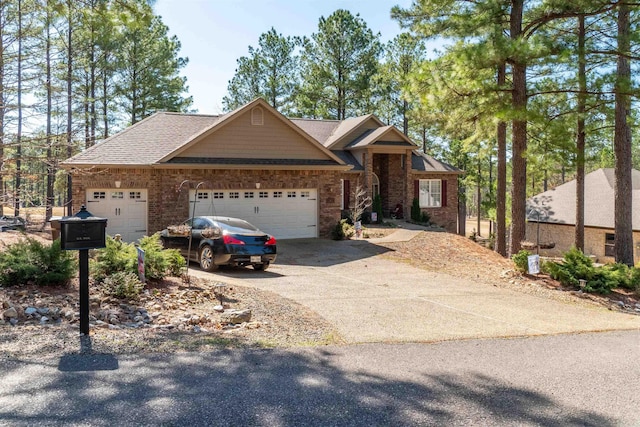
[261, 267]
[206, 259]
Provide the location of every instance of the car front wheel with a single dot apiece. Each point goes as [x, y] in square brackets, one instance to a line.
[206, 259]
[261, 267]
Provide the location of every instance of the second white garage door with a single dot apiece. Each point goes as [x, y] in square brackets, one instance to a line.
[285, 214]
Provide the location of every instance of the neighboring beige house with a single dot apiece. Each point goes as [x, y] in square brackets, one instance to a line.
[551, 216]
[290, 177]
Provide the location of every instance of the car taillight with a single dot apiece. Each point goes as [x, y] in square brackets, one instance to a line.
[271, 241]
[230, 240]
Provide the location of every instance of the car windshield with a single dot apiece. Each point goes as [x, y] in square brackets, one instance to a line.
[232, 223]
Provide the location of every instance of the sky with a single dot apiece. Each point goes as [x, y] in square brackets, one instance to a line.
[215, 33]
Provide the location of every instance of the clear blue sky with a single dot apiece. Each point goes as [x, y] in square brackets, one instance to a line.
[215, 33]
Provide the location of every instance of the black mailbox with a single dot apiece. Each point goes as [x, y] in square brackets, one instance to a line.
[82, 231]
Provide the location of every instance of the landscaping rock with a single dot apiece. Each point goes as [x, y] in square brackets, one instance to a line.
[10, 313]
[235, 317]
[30, 311]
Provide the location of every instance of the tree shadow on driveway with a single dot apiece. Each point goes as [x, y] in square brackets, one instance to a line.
[268, 387]
[324, 252]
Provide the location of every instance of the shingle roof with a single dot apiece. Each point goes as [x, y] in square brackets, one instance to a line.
[320, 130]
[422, 162]
[147, 141]
[559, 205]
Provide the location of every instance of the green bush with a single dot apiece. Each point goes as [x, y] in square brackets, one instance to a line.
[119, 256]
[116, 256]
[576, 266]
[416, 215]
[32, 261]
[342, 230]
[425, 218]
[123, 284]
[521, 260]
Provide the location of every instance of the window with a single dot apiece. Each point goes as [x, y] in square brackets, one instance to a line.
[305, 194]
[117, 195]
[218, 195]
[277, 194]
[203, 195]
[135, 194]
[430, 193]
[610, 244]
[248, 194]
[291, 194]
[98, 195]
[263, 194]
[375, 182]
[234, 195]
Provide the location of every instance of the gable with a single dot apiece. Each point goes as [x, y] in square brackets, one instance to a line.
[357, 132]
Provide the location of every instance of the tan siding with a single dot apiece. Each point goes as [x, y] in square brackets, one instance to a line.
[564, 237]
[369, 124]
[240, 139]
[392, 136]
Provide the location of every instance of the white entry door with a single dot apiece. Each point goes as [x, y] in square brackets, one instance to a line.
[125, 210]
[285, 214]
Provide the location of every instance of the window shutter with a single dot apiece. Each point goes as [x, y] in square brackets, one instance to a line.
[444, 193]
[346, 190]
[416, 189]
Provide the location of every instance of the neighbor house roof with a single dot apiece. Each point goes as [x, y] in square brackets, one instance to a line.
[559, 205]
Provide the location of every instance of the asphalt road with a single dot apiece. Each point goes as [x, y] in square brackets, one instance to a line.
[568, 380]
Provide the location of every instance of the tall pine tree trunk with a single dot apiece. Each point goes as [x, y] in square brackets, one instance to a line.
[68, 199]
[50, 161]
[519, 134]
[501, 190]
[580, 140]
[622, 143]
[18, 177]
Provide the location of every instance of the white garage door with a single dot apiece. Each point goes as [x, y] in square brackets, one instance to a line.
[125, 210]
[285, 214]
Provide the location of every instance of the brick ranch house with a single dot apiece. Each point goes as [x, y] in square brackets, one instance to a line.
[290, 177]
[552, 216]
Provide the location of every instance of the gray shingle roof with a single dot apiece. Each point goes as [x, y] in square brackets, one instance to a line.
[320, 130]
[147, 141]
[422, 162]
[559, 205]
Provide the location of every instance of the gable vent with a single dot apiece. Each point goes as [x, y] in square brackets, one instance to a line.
[257, 116]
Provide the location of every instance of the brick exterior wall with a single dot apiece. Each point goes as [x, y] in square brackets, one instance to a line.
[446, 216]
[563, 235]
[389, 169]
[168, 201]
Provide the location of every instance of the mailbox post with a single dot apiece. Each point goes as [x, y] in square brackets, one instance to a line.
[82, 232]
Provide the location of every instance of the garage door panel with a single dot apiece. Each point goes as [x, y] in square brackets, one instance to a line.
[125, 210]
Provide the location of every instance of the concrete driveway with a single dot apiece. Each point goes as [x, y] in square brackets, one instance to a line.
[372, 299]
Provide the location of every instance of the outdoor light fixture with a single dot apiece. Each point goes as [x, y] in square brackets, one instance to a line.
[257, 185]
[118, 184]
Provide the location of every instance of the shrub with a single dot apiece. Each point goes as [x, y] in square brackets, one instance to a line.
[521, 260]
[116, 256]
[425, 218]
[415, 210]
[119, 256]
[32, 261]
[123, 284]
[342, 230]
[577, 266]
